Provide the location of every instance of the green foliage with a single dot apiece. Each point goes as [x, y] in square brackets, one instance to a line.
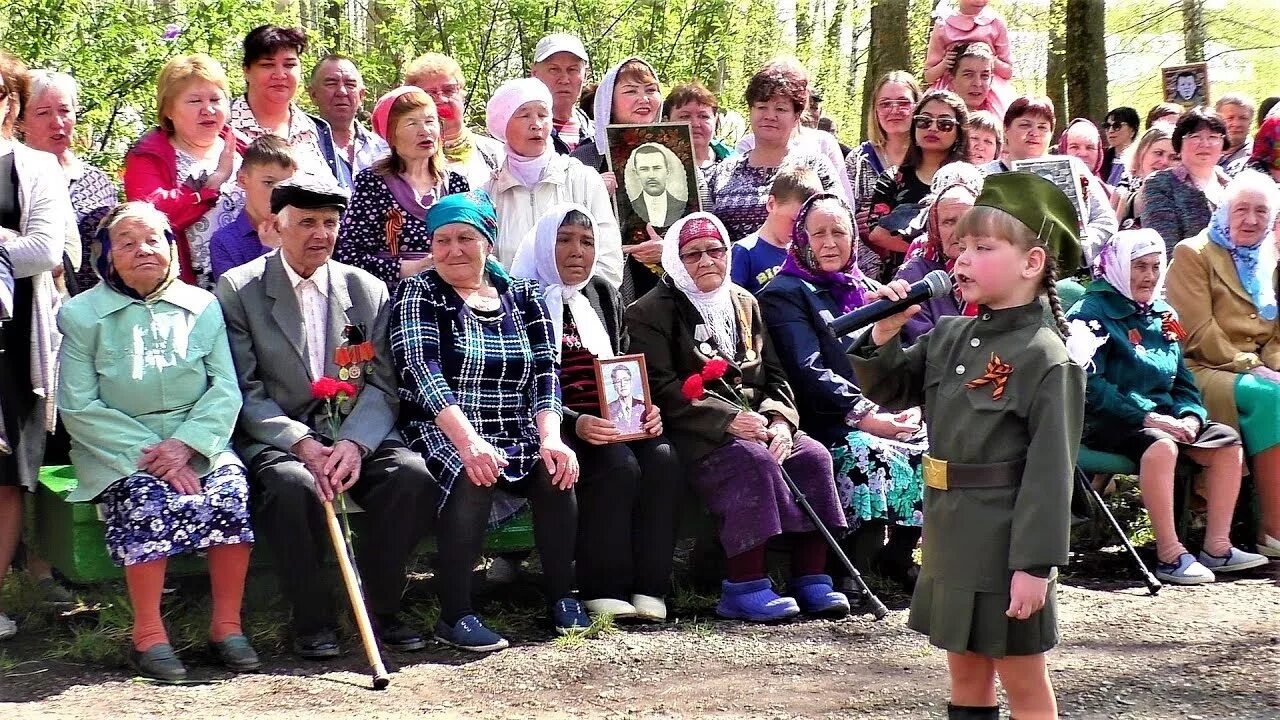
[115, 47]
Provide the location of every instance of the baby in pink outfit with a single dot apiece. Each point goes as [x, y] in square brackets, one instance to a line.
[968, 22]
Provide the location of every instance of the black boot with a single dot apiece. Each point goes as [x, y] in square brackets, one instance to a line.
[964, 712]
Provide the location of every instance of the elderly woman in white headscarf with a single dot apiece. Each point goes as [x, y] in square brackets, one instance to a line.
[732, 416]
[533, 177]
[1223, 284]
[628, 489]
[1144, 404]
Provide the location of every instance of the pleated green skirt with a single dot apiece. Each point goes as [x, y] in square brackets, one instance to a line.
[1258, 403]
[961, 620]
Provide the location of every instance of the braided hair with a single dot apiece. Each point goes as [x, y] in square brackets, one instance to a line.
[1051, 291]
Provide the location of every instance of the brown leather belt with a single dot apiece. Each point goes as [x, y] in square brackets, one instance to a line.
[943, 475]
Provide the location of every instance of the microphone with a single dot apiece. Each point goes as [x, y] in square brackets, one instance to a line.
[935, 284]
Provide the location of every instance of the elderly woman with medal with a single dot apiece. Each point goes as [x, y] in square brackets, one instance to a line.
[728, 409]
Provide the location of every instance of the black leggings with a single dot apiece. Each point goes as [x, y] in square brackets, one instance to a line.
[461, 530]
[628, 496]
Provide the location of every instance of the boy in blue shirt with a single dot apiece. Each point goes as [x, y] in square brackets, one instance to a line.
[757, 257]
[267, 161]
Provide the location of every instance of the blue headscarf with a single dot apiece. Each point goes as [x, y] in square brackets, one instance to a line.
[472, 208]
[1259, 285]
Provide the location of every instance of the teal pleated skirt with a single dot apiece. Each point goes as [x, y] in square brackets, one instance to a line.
[1258, 403]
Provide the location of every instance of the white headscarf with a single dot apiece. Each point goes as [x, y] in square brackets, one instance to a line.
[1115, 261]
[505, 102]
[604, 104]
[536, 260]
[716, 306]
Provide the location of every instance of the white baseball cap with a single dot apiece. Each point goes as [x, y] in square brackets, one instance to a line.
[559, 42]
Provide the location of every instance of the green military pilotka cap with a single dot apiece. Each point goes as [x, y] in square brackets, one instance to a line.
[1041, 206]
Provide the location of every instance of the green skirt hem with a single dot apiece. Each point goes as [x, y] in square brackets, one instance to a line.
[967, 621]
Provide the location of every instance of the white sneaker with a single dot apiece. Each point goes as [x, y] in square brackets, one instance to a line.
[1187, 571]
[8, 628]
[648, 607]
[1269, 547]
[1236, 560]
[619, 609]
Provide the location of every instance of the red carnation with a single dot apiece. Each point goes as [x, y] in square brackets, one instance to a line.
[324, 389]
[346, 388]
[715, 369]
[693, 388]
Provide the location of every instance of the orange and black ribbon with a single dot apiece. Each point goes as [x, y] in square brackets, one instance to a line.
[395, 222]
[997, 375]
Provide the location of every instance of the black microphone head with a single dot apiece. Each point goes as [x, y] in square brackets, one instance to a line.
[939, 283]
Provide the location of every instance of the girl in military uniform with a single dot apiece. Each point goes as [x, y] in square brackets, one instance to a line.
[1004, 406]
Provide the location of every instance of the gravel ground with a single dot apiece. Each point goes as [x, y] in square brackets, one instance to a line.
[1196, 653]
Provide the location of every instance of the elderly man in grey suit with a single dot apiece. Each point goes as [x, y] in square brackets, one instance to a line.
[287, 314]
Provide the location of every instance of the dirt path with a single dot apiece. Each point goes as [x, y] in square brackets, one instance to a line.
[1209, 652]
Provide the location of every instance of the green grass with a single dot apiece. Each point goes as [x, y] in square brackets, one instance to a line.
[601, 626]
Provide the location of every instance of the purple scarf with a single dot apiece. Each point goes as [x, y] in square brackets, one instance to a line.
[847, 285]
[407, 198]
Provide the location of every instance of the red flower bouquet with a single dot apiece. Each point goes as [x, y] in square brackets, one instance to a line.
[695, 386]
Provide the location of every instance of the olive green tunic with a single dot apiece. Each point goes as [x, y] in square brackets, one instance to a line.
[974, 538]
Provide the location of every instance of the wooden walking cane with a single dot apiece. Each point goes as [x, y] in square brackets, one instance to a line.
[349, 578]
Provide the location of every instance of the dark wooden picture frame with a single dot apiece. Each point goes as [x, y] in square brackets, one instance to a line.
[1169, 83]
[604, 381]
[676, 143]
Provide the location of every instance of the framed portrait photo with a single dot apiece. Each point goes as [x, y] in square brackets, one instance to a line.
[657, 184]
[624, 394]
[1186, 85]
[1059, 170]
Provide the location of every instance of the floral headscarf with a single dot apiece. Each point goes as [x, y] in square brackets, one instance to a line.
[847, 285]
[1256, 275]
[1115, 260]
[106, 269]
[715, 306]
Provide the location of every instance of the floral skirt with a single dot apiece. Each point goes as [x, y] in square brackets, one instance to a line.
[880, 479]
[148, 520]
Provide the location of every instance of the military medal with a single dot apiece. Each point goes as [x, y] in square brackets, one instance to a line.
[354, 372]
[751, 354]
[704, 348]
[343, 374]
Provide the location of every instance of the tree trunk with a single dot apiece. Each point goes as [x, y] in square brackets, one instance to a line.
[1193, 29]
[1055, 84]
[888, 50]
[1086, 59]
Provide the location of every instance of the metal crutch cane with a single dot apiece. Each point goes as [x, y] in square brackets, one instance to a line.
[1153, 585]
[878, 610]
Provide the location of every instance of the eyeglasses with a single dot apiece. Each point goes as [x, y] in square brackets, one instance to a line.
[887, 105]
[924, 122]
[1112, 125]
[695, 257]
[1205, 138]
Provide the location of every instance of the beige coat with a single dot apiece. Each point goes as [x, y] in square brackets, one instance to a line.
[1225, 335]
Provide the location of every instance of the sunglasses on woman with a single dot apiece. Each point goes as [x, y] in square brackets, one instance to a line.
[924, 122]
[1112, 125]
[694, 257]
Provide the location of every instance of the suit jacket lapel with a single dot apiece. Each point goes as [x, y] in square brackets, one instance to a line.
[284, 307]
[339, 304]
[1225, 267]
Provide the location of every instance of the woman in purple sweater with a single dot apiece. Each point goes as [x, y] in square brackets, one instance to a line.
[939, 252]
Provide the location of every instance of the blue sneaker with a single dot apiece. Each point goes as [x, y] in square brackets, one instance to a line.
[755, 601]
[470, 634]
[1236, 560]
[816, 596]
[568, 614]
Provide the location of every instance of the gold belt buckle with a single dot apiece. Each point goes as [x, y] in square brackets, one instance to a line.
[935, 473]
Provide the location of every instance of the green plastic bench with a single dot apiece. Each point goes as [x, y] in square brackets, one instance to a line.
[71, 537]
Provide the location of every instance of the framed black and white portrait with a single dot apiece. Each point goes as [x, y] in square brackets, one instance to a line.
[1186, 85]
[657, 184]
[624, 394]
